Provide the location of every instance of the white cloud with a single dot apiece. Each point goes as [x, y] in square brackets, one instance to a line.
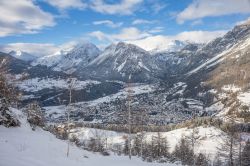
[197, 22]
[142, 21]
[22, 17]
[204, 8]
[41, 49]
[36, 49]
[124, 7]
[161, 41]
[154, 6]
[65, 4]
[156, 30]
[148, 41]
[108, 23]
[199, 36]
[130, 33]
[152, 42]
[157, 7]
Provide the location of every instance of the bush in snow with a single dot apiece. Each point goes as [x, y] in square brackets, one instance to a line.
[201, 160]
[35, 115]
[7, 118]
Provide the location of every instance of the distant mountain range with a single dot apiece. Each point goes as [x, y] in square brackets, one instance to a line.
[23, 55]
[206, 74]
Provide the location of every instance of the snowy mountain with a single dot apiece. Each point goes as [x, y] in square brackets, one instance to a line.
[70, 60]
[13, 65]
[187, 78]
[120, 61]
[23, 55]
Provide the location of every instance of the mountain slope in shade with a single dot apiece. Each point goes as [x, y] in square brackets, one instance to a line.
[120, 61]
[23, 55]
[12, 64]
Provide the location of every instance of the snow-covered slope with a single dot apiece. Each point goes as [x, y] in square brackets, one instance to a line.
[70, 60]
[210, 138]
[23, 55]
[24, 147]
[237, 50]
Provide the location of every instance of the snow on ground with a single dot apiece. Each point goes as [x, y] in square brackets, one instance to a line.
[212, 60]
[210, 137]
[112, 137]
[55, 111]
[36, 84]
[244, 98]
[182, 87]
[135, 89]
[23, 147]
[231, 88]
[218, 106]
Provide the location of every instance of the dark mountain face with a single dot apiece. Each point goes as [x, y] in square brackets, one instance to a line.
[23, 56]
[13, 65]
[18, 66]
[123, 61]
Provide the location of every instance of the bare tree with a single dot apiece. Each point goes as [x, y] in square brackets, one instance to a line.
[228, 150]
[183, 152]
[72, 82]
[129, 118]
[193, 139]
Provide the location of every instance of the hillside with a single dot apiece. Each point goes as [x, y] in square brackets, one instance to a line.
[24, 147]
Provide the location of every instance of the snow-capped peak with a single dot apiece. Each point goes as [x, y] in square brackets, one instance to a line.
[120, 49]
[171, 46]
[69, 59]
[83, 49]
[22, 55]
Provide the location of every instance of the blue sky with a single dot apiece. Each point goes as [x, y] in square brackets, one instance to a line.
[30, 25]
